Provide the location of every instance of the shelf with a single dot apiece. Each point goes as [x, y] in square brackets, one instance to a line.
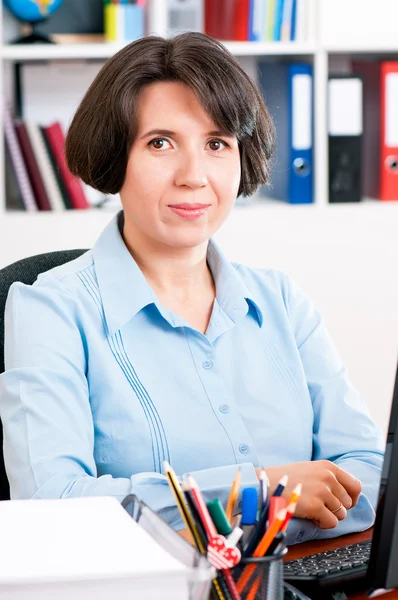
[362, 48]
[106, 50]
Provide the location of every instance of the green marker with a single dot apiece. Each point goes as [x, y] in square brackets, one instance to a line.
[219, 517]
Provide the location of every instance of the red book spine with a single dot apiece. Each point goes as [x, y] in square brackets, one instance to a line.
[241, 20]
[227, 19]
[32, 168]
[56, 140]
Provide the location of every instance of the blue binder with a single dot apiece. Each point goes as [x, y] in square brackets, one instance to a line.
[288, 95]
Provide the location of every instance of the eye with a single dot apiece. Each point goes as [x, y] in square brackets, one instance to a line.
[159, 141]
[218, 143]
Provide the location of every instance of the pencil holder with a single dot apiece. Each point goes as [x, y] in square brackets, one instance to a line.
[262, 577]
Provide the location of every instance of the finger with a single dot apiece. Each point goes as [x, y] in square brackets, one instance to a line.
[325, 519]
[335, 506]
[341, 494]
[351, 484]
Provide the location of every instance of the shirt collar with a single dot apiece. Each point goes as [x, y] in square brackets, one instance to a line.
[233, 295]
[125, 291]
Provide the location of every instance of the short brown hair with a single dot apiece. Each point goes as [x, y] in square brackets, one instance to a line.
[103, 129]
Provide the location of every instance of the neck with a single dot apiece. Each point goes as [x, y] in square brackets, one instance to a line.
[181, 273]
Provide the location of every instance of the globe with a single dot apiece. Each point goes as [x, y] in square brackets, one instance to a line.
[32, 11]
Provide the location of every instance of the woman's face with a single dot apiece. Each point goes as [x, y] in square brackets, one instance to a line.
[182, 175]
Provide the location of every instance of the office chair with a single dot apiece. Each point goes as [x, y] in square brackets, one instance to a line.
[26, 271]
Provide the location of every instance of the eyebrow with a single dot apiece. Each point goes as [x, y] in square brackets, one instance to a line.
[167, 132]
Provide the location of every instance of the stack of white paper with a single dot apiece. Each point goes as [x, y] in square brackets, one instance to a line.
[83, 548]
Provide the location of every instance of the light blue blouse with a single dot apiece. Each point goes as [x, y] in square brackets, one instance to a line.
[103, 383]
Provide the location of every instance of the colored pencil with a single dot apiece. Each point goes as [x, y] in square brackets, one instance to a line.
[262, 548]
[233, 496]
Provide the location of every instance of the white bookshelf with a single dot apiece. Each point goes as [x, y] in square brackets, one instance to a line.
[328, 41]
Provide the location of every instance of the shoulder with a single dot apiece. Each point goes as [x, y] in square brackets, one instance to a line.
[265, 282]
[62, 285]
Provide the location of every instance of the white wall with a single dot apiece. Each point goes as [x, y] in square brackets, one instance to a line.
[344, 257]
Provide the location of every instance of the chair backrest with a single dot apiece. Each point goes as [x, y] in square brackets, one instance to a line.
[26, 271]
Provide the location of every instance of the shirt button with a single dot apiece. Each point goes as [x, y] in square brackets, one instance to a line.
[216, 323]
[244, 448]
[224, 408]
[207, 364]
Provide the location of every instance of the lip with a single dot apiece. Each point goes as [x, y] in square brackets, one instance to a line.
[189, 212]
[189, 206]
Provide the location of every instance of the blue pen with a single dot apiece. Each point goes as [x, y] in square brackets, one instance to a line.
[249, 513]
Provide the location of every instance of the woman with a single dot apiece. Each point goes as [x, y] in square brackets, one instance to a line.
[153, 346]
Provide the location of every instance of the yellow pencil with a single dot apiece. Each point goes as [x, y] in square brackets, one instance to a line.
[233, 496]
[187, 517]
[180, 501]
[295, 497]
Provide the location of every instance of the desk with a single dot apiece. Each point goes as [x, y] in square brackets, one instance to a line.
[299, 550]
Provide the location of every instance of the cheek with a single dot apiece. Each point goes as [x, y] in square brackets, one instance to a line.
[227, 179]
[144, 175]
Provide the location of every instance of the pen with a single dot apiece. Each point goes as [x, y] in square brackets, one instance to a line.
[219, 517]
[259, 531]
[281, 486]
[264, 485]
[276, 543]
[249, 513]
[233, 496]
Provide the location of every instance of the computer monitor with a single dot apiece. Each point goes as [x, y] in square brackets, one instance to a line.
[383, 563]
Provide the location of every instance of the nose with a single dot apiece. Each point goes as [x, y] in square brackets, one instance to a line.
[190, 172]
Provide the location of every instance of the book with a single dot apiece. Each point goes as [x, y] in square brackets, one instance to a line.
[16, 165]
[56, 140]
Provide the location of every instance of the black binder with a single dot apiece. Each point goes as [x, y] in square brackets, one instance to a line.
[345, 127]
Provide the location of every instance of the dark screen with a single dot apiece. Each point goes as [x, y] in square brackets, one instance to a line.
[383, 565]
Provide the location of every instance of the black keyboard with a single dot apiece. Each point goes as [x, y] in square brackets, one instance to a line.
[343, 568]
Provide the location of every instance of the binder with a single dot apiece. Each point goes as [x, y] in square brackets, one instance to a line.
[288, 94]
[369, 71]
[380, 134]
[345, 127]
[389, 131]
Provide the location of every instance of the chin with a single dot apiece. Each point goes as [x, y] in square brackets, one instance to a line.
[188, 239]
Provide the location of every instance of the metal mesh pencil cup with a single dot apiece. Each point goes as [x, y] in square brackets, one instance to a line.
[266, 578]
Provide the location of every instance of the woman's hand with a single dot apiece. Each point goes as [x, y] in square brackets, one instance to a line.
[328, 490]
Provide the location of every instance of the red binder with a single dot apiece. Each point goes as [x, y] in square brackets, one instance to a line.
[389, 131]
[56, 140]
[227, 19]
